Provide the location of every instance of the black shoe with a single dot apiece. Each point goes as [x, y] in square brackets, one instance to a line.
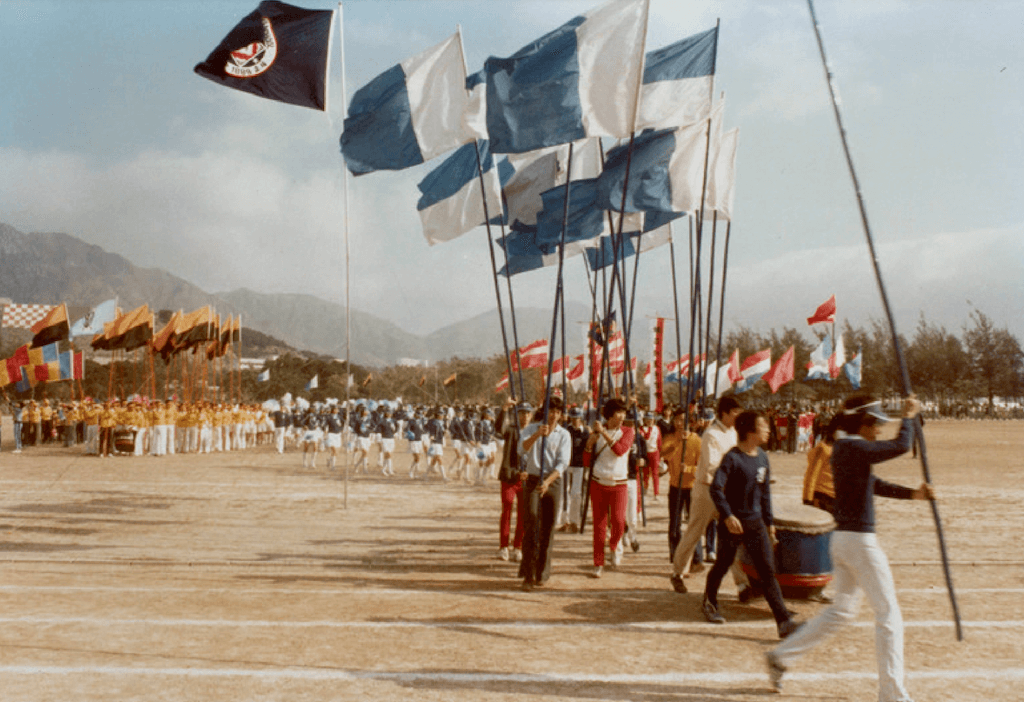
[677, 583]
[711, 612]
[528, 585]
[746, 594]
[635, 544]
[788, 627]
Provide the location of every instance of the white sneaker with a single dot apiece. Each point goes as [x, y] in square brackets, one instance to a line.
[503, 553]
[517, 555]
[596, 572]
[616, 558]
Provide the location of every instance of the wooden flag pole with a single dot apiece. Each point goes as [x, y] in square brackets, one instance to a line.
[900, 359]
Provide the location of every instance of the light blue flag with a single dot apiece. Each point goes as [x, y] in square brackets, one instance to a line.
[410, 113]
[93, 322]
[852, 370]
[578, 81]
[677, 82]
[451, 203]
[263, 377]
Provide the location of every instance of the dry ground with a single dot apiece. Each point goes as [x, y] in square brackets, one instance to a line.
[242, 577]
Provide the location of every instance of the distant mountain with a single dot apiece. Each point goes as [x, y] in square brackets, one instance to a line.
[53, 268]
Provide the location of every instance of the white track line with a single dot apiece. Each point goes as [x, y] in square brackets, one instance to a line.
[467, 623]
[328, 674]
[384, 592]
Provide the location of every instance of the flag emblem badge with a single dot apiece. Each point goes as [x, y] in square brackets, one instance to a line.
[255, 58]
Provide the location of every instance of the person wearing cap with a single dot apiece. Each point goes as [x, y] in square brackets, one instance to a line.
[857, 558]
[435, 430]
[414, 432]
[487, 447]
[386, 429]
[511, 476]
[547, 448]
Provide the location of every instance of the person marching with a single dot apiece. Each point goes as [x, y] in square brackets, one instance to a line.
[310, 438]
[414, 432]
[741, 492]
[717, 440]
[573, 514]
[547, 448]
[680, 449]
[607, 452]
[511, 476]
[653, 436]
[386, 429]
[435, 430]
[485, 437]
[858, 560]
[333, 424]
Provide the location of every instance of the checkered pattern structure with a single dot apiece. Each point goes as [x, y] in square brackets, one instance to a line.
[24, 315]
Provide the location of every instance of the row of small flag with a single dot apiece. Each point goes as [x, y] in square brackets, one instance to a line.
[27, 367]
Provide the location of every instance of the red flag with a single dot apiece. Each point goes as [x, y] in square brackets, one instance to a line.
[826, 312]
[502, 384]
[781, 373]
[534, 355]
[18, 359]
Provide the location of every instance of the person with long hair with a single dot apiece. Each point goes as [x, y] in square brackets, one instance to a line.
[858, 560]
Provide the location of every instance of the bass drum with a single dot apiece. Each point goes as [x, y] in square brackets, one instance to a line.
[803, 565]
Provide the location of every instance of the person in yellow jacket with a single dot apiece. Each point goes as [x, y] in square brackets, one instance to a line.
[91, 416]
[818, 488]
[108, 417]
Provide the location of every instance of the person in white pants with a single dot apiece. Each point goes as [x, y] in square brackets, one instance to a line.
[858, 561]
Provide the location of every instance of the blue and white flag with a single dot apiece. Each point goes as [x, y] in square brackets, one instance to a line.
[817, 367]
[579, 80]
[586, 220]
[522, 254]
[263, 377]
[452, 203]
[538, 171]
[313, 383]
[93, 322]
[852, 371]
[677, 82]
[602, 254]
[414, 111]
[666, 172]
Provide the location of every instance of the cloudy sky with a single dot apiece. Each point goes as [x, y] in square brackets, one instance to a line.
[108, 135]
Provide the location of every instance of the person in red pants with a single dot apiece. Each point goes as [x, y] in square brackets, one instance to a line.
[510, 477]
[607, 450]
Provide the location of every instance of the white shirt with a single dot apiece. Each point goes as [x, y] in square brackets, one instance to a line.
[715, 443]
[557, 449]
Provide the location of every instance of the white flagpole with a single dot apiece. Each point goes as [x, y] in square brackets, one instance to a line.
[348, 268]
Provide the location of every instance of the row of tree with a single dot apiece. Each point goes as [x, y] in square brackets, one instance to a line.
[984, 361]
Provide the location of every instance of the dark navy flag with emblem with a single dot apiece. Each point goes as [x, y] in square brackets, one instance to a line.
[278, 52]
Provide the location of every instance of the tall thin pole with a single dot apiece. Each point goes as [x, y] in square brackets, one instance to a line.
[348, 252]
[898, 351]
[721, 302]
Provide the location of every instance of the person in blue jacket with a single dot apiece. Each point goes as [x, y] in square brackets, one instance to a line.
[858, 560]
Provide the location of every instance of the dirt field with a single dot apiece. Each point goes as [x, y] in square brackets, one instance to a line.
[242, 577]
